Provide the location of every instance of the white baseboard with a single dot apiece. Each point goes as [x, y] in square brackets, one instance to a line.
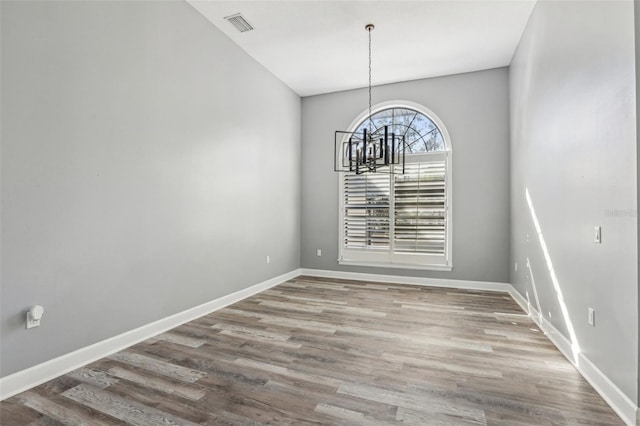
[38, 374]
[617, 400]
[399, 279]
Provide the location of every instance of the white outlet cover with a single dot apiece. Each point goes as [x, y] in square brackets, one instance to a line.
[31, 322]
[34, 315]
[319, 252]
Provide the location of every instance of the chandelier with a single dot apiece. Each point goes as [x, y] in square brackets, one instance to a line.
[373, 150]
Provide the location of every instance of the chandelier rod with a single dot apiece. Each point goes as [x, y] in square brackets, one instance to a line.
[369, 28]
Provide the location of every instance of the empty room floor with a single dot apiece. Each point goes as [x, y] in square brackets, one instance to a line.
[323, 351]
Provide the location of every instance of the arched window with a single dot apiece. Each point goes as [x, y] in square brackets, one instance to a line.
[419, 131]
[400, 220]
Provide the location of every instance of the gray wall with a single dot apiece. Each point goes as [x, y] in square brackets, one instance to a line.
[475, 109]
[148, 166]
[573, 147]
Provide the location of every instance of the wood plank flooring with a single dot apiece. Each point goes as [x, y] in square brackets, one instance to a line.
[317, 351]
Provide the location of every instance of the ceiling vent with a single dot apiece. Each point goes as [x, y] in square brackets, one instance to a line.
[239, 22]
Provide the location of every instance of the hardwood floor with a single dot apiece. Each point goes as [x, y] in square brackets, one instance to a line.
[320, 351]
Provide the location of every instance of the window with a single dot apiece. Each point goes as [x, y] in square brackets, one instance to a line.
[400, 220]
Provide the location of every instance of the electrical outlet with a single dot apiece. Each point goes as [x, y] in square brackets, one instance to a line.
[591, 316]
[597, 234]
[319, 252]
[268, 259]
[32, 322]
[34, 315]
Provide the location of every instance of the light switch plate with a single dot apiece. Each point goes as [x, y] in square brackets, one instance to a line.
[597, 235]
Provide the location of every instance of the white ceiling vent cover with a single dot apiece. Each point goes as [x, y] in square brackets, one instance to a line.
[239, 22]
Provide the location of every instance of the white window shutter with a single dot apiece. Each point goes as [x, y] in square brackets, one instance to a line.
[366, 211]
[420, 209]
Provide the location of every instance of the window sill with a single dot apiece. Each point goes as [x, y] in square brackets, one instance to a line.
[396, 265]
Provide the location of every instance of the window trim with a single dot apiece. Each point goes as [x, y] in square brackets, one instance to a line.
[448, 264]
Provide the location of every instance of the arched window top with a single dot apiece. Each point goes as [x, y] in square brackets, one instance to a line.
[420, 132]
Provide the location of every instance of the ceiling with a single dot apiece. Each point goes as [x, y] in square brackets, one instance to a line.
[321, 46]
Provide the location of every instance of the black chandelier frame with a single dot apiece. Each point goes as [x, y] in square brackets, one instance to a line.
[366, 152]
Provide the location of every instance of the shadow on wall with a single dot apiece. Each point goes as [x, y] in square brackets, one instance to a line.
[575, 347]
